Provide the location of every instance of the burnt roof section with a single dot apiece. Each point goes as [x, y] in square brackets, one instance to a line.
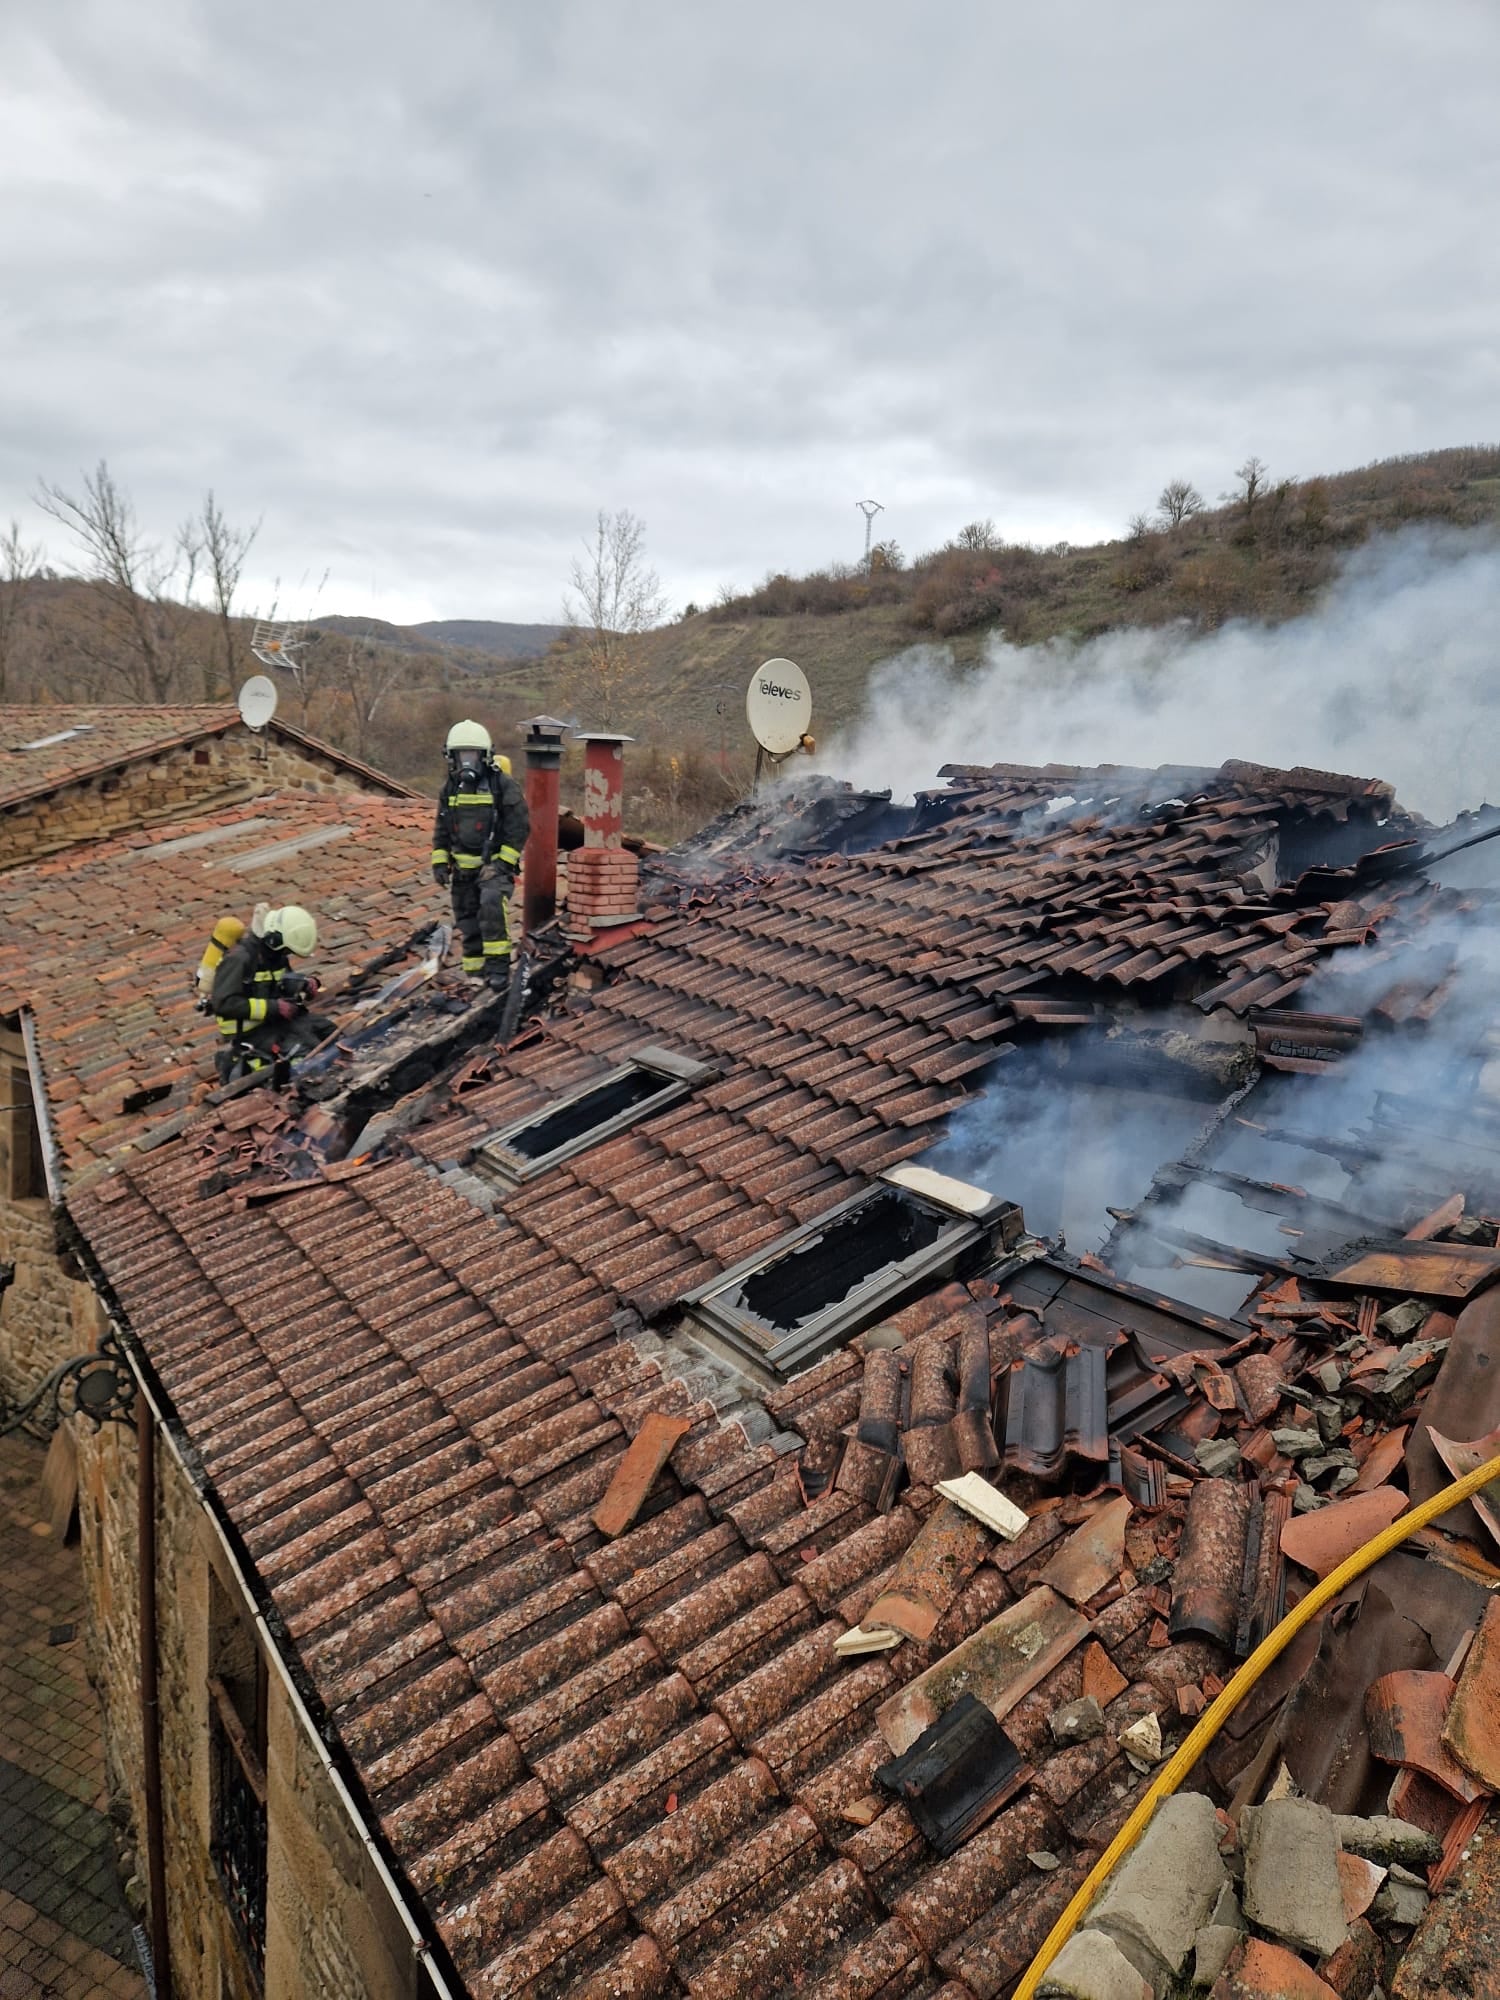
[45, 746]
[634, 1765]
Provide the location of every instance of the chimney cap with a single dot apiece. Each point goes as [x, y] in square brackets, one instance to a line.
[601, 735]
[546, 725]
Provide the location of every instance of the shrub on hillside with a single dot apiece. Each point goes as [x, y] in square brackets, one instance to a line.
[960, 588]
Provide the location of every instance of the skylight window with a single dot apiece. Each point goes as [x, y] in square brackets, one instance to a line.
[832, 1278]
[648, 1082]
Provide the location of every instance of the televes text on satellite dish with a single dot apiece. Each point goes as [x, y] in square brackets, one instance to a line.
[776, 688]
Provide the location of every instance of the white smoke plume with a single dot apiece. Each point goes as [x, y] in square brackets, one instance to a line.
[1395, 674]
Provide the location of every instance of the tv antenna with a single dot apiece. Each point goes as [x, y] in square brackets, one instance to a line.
[869, 508]
[778, 707]
[276, 642]
[257, 701]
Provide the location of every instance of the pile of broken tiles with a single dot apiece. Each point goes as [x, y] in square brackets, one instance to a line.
[1371, 1749]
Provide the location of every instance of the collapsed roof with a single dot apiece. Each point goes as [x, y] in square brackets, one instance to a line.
[634, 1761]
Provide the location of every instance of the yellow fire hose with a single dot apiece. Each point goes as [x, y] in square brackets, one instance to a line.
[1213, 1718]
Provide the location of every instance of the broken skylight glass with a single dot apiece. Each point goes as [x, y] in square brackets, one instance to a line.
[830, 1279]
[648, 1082]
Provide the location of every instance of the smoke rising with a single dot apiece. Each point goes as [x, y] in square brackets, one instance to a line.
[1395, 673]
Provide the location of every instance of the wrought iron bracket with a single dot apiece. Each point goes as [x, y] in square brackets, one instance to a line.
[98, 1385]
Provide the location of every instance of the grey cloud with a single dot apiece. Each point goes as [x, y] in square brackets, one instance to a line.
[425, 287]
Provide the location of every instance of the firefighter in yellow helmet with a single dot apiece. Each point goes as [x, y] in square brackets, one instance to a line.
[482, 824]
[260, 1002]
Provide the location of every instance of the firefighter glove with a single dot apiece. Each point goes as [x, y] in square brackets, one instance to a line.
[285, 1010]
[440, 874]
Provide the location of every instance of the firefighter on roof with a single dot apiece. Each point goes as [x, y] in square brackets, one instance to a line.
[260, 1002]
[482, 825]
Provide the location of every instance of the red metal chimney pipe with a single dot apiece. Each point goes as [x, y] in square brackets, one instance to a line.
[544, 735]
[603, 787]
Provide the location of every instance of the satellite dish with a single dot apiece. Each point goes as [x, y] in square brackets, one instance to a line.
[778, 706]
[257, 701]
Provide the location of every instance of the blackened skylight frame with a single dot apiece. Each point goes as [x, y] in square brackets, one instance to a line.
[648, 1081]
[821, 1284]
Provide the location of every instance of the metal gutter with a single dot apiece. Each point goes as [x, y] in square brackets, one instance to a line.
[41, 1111]
[169, 1428]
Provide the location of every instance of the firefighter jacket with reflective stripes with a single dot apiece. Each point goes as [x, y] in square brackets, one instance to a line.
[247, 981]
[480, 814]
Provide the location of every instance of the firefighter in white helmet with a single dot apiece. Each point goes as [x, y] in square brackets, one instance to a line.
[482, 824]
[260, 1002]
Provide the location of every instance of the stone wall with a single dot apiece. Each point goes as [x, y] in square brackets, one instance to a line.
[331, 1931]
[40, 1311]
[170, 784]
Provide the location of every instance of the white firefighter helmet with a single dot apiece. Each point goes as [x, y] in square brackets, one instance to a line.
[295, 928]
[468, 736]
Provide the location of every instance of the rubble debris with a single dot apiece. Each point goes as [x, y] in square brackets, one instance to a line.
[1471, 1728]
[1102, 1679]
[1355, 1968]
[1208, 1579]
[937, 1563]
[1430, 1270]
[1091, 1557]
[1141, 1742]
[1406, 1714]
[1453, 1951]
[636, 1474]
[1359, 1879]
[1219, 1939]
[1264, 1601]
[974, 1493]
[1263, 1971]
[1053, 1406]
[1402, 1900]
[1165, 1890]
[1394, 1842]
[956, 1775]
[1321, 1541]
[1003, 1661]
[1077, 1721]
[1043, 1860]
[1292, 1887]
[1219, 1457]
[974, 1434]
[1091, 1966]
[861, 1639]
[1465, 1458]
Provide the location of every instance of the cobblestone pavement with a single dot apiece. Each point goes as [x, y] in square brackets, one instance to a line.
[63, 1929]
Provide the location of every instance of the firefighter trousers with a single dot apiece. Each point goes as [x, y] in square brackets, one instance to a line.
[480, 915]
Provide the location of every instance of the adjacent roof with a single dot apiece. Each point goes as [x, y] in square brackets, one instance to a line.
[624, 1767]
[101, 941]
[47, 745]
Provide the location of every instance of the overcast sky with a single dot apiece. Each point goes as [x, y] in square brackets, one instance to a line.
[426, 286]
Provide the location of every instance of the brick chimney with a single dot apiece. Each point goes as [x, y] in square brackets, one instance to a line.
[544, 737]
[603, 875]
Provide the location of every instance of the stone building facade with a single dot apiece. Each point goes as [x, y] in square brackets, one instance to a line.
[270, 1888]
[216, 763]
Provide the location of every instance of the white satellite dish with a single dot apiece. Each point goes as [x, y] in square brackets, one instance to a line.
[778, 707]
[257, 701]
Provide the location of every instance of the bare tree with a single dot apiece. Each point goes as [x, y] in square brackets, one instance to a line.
[1138, 527]
[224, 551]
[369, 674]
[886, 555]
[1252, 478]
[19, 568]
[613, 598]
[1177, 500]
[977, 535]
[145, 586]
